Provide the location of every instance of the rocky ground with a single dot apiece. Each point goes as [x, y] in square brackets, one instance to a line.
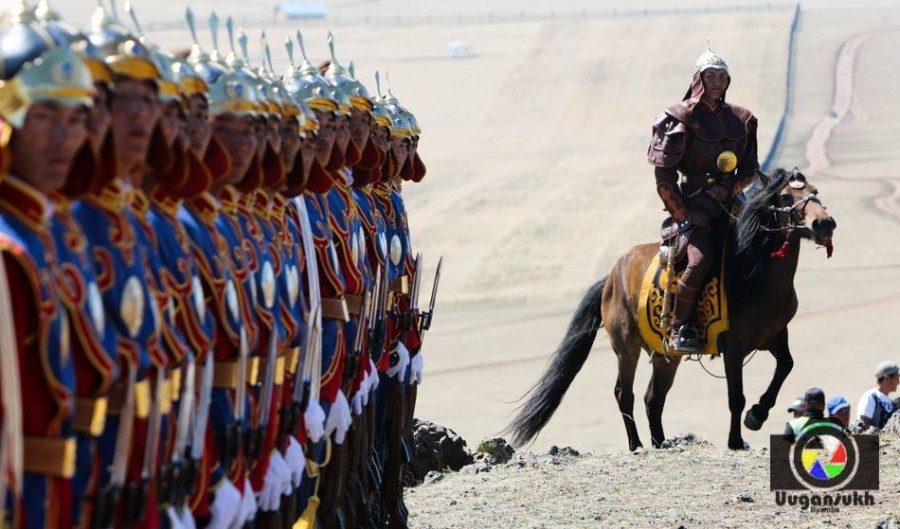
[691, 483]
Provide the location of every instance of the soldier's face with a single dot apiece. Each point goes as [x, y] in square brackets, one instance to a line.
[44, 148]
[198, 129]
[261, 131]
[342, 132]
[307, 153]
[325, 138]
[135, 110]
[98, 124]
[715, 81]
[171, 121]
[382, 138]
[400, 147]
[273, 131]
[290, 140]
[238, 136]
[360, 127]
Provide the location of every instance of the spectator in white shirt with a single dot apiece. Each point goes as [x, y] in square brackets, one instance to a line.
[875, 407]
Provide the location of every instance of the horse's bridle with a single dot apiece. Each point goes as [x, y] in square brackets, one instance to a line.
[792, 210]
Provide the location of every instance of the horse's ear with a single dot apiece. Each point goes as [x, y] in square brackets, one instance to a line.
[763, 178]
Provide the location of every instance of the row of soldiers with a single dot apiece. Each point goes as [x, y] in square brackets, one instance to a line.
[209, 307]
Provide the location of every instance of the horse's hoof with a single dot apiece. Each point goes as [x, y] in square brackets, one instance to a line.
[740, 444]
[637, 450]
[752, 422]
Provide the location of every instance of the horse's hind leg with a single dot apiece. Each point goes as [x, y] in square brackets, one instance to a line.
[664, 369]
[627, 358]
[758, 414]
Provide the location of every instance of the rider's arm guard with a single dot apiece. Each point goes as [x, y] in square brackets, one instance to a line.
[667, 188]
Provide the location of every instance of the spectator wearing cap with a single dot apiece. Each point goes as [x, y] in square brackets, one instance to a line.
[797, 407]
[814, 402]
[839, 411]
[875, 407]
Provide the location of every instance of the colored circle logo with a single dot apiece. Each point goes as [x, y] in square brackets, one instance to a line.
[824, 457]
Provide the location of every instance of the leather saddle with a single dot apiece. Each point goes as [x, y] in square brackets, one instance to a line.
[674, 242]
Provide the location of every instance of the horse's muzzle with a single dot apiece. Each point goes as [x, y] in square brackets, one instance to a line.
[823, 229]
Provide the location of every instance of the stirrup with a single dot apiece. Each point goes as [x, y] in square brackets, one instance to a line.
[686, 339]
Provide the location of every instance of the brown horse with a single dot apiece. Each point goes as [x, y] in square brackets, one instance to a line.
[761, 259]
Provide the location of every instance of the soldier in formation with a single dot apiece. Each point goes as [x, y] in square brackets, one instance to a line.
[209, 303]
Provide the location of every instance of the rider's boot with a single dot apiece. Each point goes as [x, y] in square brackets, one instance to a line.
[685, 337]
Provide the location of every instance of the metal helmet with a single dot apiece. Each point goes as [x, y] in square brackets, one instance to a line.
[710, 59]
[306, 85]
[63, 33]
[240, 67]
[401, 124]
[350, 90]
[169, 89]
[22, 40]
[57, 75]
[122, 51]
[201, 62]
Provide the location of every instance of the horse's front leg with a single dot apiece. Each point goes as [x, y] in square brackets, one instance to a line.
[758, 414]
[734, 374]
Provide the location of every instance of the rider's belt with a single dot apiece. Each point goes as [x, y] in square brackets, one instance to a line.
[166, 405]
[279, 369]
[90, 415]
[354, 304]
[225, 374]
[141, 399]
[293, 360]
[50, 456]
[175, 387]
[335, 308]
[400, 285]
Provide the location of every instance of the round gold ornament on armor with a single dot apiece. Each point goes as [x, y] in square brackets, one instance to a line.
[231, 300]
[293, 278]
[396, 250]
[268, 285]
[95, 307]
[197, 294]
[131, 306]
[711, 59]
[727, 162]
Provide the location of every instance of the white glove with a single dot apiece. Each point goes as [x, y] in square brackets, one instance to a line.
[224, 508]
[399, 370]
[186, 518]
[358, 401]
[174, 519]
[247, 507]
[339, 418]
[295, 460]
[417, 365]
[277, 476]
[314, 418]
[365, 388]
[374, 372]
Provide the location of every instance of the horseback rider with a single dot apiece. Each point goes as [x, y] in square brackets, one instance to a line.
[713, 145]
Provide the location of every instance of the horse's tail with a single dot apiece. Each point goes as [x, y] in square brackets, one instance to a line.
[545, 396]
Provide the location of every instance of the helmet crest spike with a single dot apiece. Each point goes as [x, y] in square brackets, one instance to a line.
[302, 46]
[378, 84]
[242, 42]
[351, 69]
[289, 46]
[129, 9]
[229, 29]
[214, 29]
[20, 13]
[334, 60]
[189, 18]
[267, 53]
[708, 45]
[113, 10]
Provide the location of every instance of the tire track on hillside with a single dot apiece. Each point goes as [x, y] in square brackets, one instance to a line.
[844, 102]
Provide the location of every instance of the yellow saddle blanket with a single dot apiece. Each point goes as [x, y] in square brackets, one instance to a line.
[710, 313]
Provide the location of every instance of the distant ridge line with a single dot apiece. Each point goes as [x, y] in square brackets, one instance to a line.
[489, 18]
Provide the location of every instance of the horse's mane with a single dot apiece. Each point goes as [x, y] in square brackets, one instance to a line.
[752, 238]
